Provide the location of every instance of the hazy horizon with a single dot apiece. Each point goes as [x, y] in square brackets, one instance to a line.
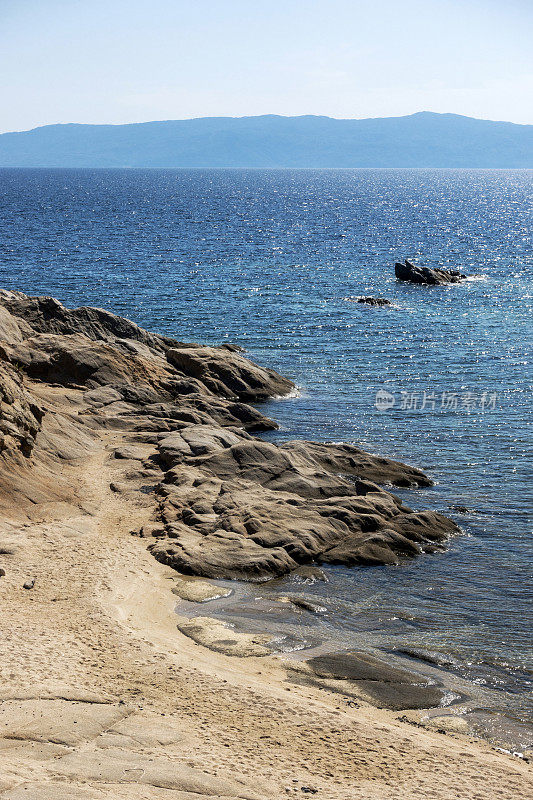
[418, 140]
[130, 61]
[254, 116]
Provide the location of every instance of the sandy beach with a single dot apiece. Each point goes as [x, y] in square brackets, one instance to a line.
[103, 697]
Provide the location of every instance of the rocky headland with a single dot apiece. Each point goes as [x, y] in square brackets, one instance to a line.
[107, 430]
[226, 503]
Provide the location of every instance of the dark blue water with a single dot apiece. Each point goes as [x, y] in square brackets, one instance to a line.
[267, 259]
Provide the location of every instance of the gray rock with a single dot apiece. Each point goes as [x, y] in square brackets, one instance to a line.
[307, 605]
[228, 505]
[227, 373]
[374, 301]
[384, 685]
[424, 275]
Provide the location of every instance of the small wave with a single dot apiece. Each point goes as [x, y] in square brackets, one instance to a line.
[292, 395]
[472, 278]
[448, 698]
[515, 753]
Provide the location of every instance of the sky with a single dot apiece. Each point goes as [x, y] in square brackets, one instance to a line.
[116, 61]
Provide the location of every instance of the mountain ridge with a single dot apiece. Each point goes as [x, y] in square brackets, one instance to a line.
[422, 139]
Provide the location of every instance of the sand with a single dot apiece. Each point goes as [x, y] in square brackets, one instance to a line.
[101, 695]
[105, 692]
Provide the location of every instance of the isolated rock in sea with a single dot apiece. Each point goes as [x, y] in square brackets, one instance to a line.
[374, 301]
[424, 275]
[226, 504]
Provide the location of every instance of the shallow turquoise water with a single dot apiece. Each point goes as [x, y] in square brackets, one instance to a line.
[267, 259]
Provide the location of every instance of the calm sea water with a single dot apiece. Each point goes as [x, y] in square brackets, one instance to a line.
[267, 259]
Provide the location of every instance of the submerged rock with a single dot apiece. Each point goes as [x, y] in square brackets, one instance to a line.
[424, 275]
[374, 301]
[311, 574]
[307, 605]
[375, 680]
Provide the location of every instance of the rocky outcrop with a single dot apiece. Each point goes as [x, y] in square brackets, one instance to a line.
[374, 301]
[424, 275]
[20, 416]
[226, 503]
[227, 373]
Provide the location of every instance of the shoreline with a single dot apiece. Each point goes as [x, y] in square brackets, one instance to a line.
[102, 696]
[299, 634]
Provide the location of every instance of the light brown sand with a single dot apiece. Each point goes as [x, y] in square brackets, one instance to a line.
[102, 697]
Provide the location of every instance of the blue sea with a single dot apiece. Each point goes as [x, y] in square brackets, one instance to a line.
[273, 260]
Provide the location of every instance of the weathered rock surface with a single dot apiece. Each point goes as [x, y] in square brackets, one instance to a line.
[226, 504]
[56, 720]
[197, 591]
[227, 373]
[222, 638]
[372, 679]
[20, 416]
[413, 274]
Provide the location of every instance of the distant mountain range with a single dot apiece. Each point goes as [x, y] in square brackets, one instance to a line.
[418, 140]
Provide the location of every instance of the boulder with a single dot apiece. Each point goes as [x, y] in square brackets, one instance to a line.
[424, 275]
[227, 373]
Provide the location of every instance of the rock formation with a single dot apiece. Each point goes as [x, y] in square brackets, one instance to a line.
[374, 301]
[413, 274]
[226, 503]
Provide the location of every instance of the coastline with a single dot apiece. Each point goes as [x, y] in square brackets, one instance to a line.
[298, 625]
[104, 697]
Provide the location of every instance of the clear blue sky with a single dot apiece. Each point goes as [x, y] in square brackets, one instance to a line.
[134, 60]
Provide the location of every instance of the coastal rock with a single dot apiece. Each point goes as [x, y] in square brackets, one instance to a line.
[222, 638]
[374, 301]
[48, 315]
[197, 591]
[424, 275]
[376, 681]
[120, 767]
[226, 504]
[20, 415]
[227, 373]
[311, 574]
[304, 604]
[254, 511]
[346, 459]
